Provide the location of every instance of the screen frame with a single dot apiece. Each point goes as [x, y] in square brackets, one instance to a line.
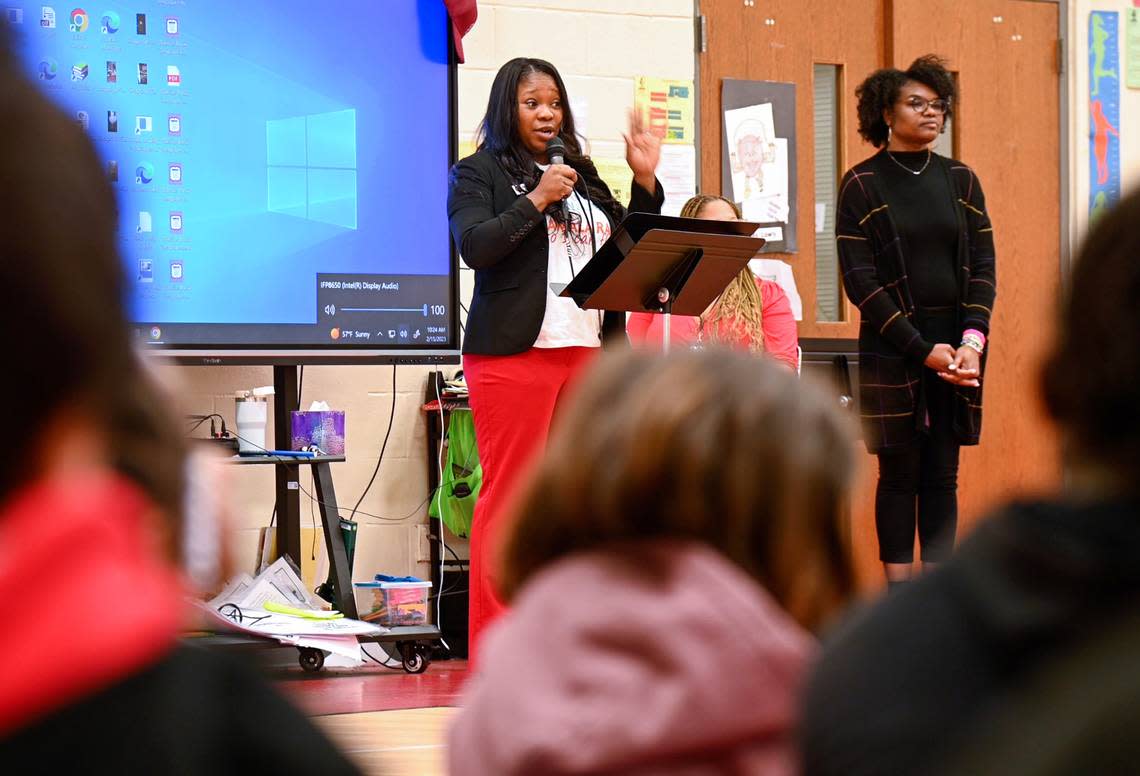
[339, 354]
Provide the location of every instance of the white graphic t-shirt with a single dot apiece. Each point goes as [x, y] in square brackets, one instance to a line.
[565, 325]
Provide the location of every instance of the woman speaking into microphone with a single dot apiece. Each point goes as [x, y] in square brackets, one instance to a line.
[527, 210]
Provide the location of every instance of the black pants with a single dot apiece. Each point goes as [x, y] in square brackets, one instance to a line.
[918, 484]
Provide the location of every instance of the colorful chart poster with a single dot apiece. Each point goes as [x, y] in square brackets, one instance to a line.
[1104, 112]
[668, 105]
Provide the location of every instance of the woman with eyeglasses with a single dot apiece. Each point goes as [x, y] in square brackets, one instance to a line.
[917, 254]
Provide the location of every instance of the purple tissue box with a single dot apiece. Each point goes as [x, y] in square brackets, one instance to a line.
[324, 429]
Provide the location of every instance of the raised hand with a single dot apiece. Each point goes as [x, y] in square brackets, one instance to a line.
[642, 151]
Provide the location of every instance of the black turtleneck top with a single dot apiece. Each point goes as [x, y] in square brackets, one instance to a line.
[922, 207]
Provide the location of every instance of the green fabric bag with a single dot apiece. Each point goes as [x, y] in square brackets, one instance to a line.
[454, 501]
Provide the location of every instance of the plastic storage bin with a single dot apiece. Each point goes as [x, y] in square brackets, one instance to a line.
[392, 603]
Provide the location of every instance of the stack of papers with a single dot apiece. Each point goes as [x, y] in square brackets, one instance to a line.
[455, 388]
[278, 583]
[241, 607]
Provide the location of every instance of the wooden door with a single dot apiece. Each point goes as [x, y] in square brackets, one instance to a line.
[1007, 128]
[1005, 53]
[781, 40]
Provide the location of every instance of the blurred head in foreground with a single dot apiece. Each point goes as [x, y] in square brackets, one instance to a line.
[1091, 379]
[710, 446]
[669, 558]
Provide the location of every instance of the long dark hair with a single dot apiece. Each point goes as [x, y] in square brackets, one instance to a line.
[498, 132]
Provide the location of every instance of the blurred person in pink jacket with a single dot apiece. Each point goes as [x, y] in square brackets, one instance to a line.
[667, 565]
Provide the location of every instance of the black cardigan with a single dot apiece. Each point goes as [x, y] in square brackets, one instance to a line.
[493, 225]
[872, 257]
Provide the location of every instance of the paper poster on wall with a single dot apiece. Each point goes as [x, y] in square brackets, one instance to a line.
[677, 172]
[758, 156]
[1132, 47]
[759, 163]
[668, 106]
[1104, 112]
[780, 273]
[617, 175]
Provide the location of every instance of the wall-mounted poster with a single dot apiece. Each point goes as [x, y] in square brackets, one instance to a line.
[1104, 112]
[668, 107]
[758, 155]
[1132, 46]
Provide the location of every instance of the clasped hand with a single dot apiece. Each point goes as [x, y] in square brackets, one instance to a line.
[958, 367]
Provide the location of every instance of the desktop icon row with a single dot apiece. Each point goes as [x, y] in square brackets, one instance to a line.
[143, 124]
[144, 175]
[80, 21]
[49, 69]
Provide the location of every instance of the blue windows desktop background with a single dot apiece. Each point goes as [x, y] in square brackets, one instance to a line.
[255, 145]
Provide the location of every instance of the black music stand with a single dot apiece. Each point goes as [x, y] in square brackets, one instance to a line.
[664, 264]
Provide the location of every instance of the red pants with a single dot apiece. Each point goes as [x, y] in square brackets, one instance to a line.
[513, 399]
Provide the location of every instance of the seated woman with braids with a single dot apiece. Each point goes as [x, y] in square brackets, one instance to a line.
[752, 314]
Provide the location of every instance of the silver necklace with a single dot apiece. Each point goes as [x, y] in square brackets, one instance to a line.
[920, 170]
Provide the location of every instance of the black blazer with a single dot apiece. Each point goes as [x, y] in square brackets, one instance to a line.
[502, 236]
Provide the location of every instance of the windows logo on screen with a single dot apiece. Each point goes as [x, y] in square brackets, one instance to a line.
[79, 21]
[48, 69]
[110, 23]
[144, 173]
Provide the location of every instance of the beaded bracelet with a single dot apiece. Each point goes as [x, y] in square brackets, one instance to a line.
[974, 339]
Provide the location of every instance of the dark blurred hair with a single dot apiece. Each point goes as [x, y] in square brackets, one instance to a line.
[62, 286]
[880, 91]
[1091, 378]
[713, 446]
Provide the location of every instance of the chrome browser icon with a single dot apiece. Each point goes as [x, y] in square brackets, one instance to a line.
[144, 173]
[110, 23]
[79, 20]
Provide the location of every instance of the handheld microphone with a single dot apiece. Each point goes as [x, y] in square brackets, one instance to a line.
[556, 153]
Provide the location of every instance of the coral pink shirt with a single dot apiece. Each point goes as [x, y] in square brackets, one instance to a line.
[781, 340]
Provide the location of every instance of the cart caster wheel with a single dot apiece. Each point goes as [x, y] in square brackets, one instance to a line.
[416, 657]
[312, 660]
